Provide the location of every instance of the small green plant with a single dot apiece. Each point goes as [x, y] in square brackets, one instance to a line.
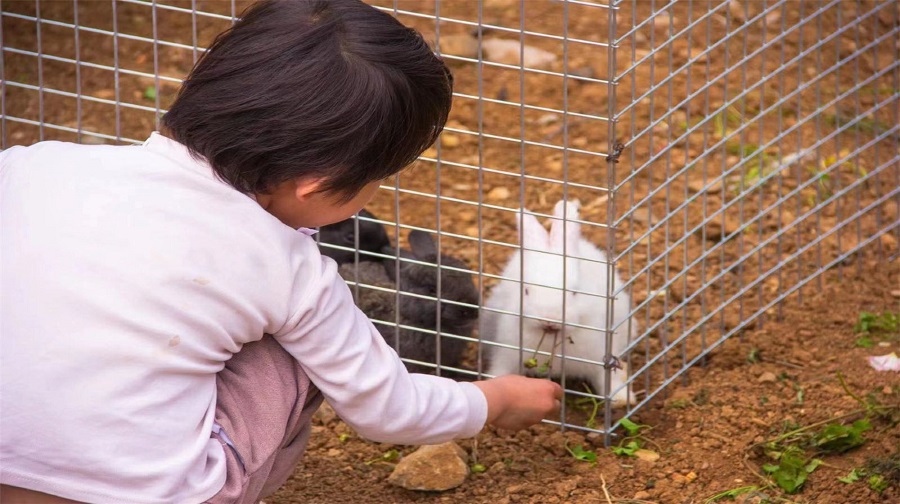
[627, 450]
[388, 456]
[878, 483]
[853, 476]
[793, 452]
[478, 468]
[753, 356]
[634, 441]
[874, 327]
[579, 453]
[150, 93]
[679, 403]
[792, 469]
[836, 438]
[872, 322]
[733, 493]
[344, 437]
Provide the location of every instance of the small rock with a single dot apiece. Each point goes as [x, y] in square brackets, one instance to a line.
[887, 390]
[93, 140]
[691, 476]
[463, 45]
[895, 293]
[767, 377]
[508, 51]
[449, 140]
[647, 455]
[716, 230]
[642, 214]
[642, 495]
[710, 188]
[498, 193]
[515, 489]
[334, 452]
[433, 468]
[663, 20]
[497, 467]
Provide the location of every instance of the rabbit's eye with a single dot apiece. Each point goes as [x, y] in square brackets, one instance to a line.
[350, 237]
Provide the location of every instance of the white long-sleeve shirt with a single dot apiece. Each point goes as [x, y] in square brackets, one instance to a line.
[129, 276]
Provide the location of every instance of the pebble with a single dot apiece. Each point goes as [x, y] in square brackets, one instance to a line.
[334, 452]
[463, 45]
[498, 193]
[895, 293]
[507, 51]
[767, 377]
[449, 140]
[647, 455]
[642, 495]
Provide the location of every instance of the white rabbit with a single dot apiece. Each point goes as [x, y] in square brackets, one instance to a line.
[584, 276]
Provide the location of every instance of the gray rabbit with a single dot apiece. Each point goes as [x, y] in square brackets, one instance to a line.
[372, 238]
[458, 304]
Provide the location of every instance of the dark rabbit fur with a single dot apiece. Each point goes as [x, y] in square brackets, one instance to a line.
[372, 238]
[420, 279]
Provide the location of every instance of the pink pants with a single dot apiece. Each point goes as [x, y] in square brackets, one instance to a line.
[263, 416]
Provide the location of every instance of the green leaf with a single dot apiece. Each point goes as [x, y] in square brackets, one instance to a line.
[865, 342]
[478, 468]
[792, 470]
[731, 494]
[150, 93]
[852, 476]
[344, 437]
[579, 453]
[530, 363]
[627, 450]
[836, 438]
[632, 428]
[878, 483]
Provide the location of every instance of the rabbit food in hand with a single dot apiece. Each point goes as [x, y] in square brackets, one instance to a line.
[546, 327]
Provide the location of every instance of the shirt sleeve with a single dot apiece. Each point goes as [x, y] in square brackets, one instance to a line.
[362, 377]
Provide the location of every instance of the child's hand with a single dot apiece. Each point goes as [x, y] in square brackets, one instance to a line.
[516, 402]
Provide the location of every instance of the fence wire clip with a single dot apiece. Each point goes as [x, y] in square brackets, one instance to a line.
[613, 157]
[612, 362]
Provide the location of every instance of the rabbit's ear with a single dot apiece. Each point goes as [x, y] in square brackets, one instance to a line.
[567, 210]
[390, 264]
[532, 234]
[422, 244]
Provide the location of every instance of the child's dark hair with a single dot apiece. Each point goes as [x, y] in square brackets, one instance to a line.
[333, 89]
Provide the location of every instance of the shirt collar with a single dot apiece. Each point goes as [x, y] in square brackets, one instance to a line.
[177, 152]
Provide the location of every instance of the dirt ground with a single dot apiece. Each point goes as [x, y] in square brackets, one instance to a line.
[704, 431]
[710, 230]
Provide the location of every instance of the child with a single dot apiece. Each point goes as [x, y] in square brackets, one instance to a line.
[167, 331]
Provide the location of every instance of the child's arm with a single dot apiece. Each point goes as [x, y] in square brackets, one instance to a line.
[369, 387]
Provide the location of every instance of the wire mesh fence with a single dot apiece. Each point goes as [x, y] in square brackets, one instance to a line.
[727, 157]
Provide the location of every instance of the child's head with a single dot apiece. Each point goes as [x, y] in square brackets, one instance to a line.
[332, 91]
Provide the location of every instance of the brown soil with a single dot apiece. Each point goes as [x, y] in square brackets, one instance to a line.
[706, 426]
[702, 288]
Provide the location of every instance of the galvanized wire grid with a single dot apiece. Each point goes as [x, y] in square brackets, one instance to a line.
[760, 144]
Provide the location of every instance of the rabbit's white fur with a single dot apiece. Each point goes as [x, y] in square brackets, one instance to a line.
[585, 285]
